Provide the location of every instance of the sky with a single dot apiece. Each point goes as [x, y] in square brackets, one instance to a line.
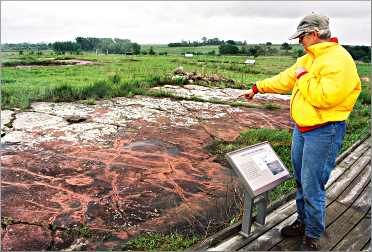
[163, 22]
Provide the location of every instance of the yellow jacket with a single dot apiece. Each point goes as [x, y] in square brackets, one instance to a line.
[326, 93]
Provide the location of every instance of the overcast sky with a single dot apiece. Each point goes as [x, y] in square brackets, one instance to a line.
[171, 21]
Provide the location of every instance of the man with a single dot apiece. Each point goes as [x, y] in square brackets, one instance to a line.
[325, 86]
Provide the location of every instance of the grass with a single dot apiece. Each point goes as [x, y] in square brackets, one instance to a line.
[160, 242]
[271, 106]
[21, 86]
[280, 140]
[78, 231]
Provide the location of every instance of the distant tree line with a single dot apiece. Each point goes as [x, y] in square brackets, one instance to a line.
[362, 53]
[205, 41]
[105, 45]
[66, 46]
[230, 47]
[25, 46]
[125, 46]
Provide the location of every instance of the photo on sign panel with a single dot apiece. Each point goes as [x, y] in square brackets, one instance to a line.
[275, 167]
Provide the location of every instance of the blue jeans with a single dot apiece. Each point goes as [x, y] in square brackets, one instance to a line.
[313, 157]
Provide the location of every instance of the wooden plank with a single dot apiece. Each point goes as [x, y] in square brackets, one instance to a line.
[357, 238]
[354, 148]
[268, 239]
[348, 162]
[338, 187]
[367, 246]
[348, 196]
[272, 220]
[217, 238]
[341, 184]
[343, 225]
[355, 154]
[333, 212]
[364, 203]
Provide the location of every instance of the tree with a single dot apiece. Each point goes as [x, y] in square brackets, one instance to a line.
[136, 48]
[362, 53]
[244, 50]
[151, 51]
[228, 49]
[67, 46]
[298, 53]
[84, 44]
[269, 43]
[204, 39]
[286, 46]
[253, 51]
[231, 42]
[271, 51]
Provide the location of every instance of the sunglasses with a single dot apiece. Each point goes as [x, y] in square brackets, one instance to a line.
[303, 35]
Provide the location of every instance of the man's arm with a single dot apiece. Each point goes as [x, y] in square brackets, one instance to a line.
[281, 83]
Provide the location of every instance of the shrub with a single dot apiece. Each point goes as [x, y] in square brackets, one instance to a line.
[115, 79]
[285, 46]
[298, 53]
[98, 89]
[228, 49]
[151, 51]
[213, 52]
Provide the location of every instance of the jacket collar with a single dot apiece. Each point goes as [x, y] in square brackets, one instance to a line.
[318, 49]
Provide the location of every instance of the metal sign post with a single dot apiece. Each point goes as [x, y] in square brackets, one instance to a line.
[261, 170]
[261, 203]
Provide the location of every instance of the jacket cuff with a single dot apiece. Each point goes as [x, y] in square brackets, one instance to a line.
[301, 74]
[255, 89]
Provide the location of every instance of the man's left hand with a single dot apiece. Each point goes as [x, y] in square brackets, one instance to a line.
[248, 95]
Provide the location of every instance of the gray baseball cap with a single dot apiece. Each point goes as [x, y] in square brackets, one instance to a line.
[310, 23]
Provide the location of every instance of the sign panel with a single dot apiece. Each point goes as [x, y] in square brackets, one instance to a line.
[259, 166]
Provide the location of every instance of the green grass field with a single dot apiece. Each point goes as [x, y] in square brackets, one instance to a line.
[24, 85]
[118, 75]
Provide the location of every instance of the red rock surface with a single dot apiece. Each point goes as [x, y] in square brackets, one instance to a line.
[127, 167]
[26, 237]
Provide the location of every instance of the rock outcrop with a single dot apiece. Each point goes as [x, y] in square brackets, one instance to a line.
[118, 168]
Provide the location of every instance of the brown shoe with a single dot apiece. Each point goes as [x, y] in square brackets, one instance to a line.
[293, 230]
[310, 244]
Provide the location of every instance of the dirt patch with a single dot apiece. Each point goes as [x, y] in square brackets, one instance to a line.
[46, 63]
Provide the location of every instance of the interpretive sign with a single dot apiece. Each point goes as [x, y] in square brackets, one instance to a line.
[259, 166]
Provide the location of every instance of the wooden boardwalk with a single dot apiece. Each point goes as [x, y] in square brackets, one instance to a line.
[348, 219]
